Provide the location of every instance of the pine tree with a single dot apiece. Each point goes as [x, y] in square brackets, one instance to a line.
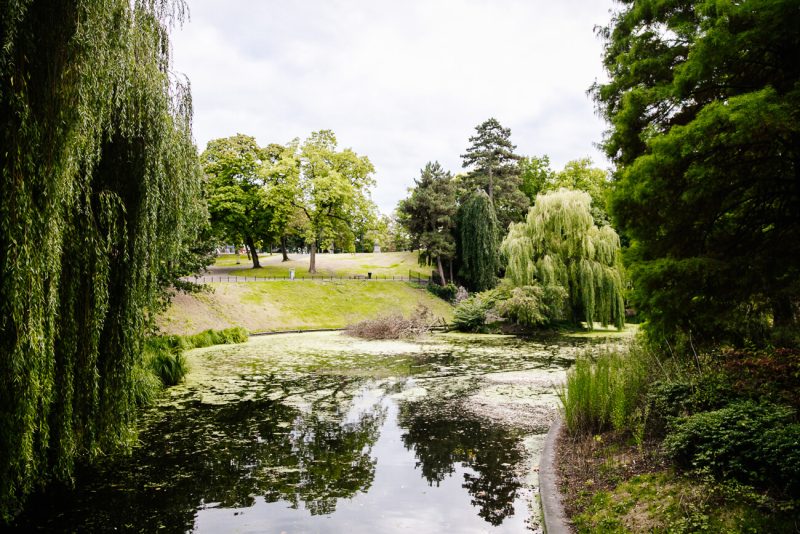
[429, 214]
[495, 170]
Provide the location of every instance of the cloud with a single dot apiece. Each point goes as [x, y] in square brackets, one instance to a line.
[401, 82]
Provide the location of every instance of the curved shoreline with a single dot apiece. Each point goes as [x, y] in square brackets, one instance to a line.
[553, 518]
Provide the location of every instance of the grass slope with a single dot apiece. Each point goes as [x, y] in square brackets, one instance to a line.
[345, 264]
[299, 305]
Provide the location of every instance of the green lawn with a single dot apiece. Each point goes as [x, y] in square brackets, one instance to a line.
[344, 264]
[298, 305]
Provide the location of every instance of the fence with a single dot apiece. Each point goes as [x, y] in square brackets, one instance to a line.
[413, 276]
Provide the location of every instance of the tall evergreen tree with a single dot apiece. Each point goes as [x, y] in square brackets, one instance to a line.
[99, 193]
[494, 169]
[429, 214]
[559, 247]
[704, 105]
[478, 239]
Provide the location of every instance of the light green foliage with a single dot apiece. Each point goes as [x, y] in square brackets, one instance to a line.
[478, 251]
[536, 175]
[526, 305]
[703, 100]
[579, 175]
[559, 246]
[494, 169]
[606, 392]
[100, 188]
[237, 196]
[470, 314]
[429, 215]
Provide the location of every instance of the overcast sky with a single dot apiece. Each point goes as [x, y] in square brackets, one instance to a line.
[403, 82]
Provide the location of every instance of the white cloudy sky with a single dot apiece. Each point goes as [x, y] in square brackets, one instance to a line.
[403, 82]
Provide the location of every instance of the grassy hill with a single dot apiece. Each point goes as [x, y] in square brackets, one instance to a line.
[298, 305]
[344, 264]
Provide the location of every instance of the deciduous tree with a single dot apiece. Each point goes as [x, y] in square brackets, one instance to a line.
[703, 101]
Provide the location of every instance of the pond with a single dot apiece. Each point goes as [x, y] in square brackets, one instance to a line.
[319, 432]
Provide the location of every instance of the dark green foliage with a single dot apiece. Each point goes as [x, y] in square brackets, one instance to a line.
[478, 237]
[470, 314]
[429, 215]
[446, 292]
[526, 306]
[100, 196]
[495, 170]
[169, 366]
[754, 443]
[704, 105]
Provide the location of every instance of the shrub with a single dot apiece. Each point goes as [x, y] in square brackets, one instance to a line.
[169, 366]
[447, 292]
[394, 326]
[470, 314]
[754, 443]
[146, 385]
[524, 306]
[606, 392]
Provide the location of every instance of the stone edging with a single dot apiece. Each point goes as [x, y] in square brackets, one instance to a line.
[553, 518]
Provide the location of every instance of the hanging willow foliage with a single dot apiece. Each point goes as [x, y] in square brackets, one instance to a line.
[559, 246]
[100, 182]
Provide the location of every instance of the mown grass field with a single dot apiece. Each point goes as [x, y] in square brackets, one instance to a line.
[344, 264]
[298, 305]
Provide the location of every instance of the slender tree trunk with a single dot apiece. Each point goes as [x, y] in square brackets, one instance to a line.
[312, 266]
[441, 270]
[251, 246]
[283, 249]
[451, 269]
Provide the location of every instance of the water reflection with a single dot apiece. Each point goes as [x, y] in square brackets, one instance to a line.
[444, 436]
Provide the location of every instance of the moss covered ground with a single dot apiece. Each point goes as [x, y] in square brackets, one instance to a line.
[298, 305]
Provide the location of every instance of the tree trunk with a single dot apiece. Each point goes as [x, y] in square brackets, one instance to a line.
[451, 270]
[441, 270]
[312, 265]
[283, 249]
[251, 246]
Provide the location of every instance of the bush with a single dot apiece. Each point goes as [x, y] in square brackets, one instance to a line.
[607, 392]
[447, 292]
[394, 326]
[524, 306]
[169, 366]
[470, 314]
[754, 443]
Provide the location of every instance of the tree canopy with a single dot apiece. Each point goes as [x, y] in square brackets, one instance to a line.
[559, 249]
[236, 191]
[100, 199]
[494, 168]
[478, 240]
[429, 214]
[704, 105]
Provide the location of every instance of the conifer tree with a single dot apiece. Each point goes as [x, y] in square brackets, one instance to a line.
[478, 239]
[494, 169]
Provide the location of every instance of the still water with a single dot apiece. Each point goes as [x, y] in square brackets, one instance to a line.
[320, 432]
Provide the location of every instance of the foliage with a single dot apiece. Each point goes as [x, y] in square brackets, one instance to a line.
[237, 197]
[579, 175]
[606, 392]
[536, 176]
[754, 443]
[526, 306]
[703, 100]
[169, 366]
[101, 189]
[478, 251]
[429, 214]
[470, 314]
[559, 246]
[495, 170]
[446, 292]
[395, 326]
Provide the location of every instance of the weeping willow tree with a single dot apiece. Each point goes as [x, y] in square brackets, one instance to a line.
[559, 246]
[478, 246]
[100, 188]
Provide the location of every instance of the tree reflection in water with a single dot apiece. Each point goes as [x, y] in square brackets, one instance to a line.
[201, 455]
[442, 436]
